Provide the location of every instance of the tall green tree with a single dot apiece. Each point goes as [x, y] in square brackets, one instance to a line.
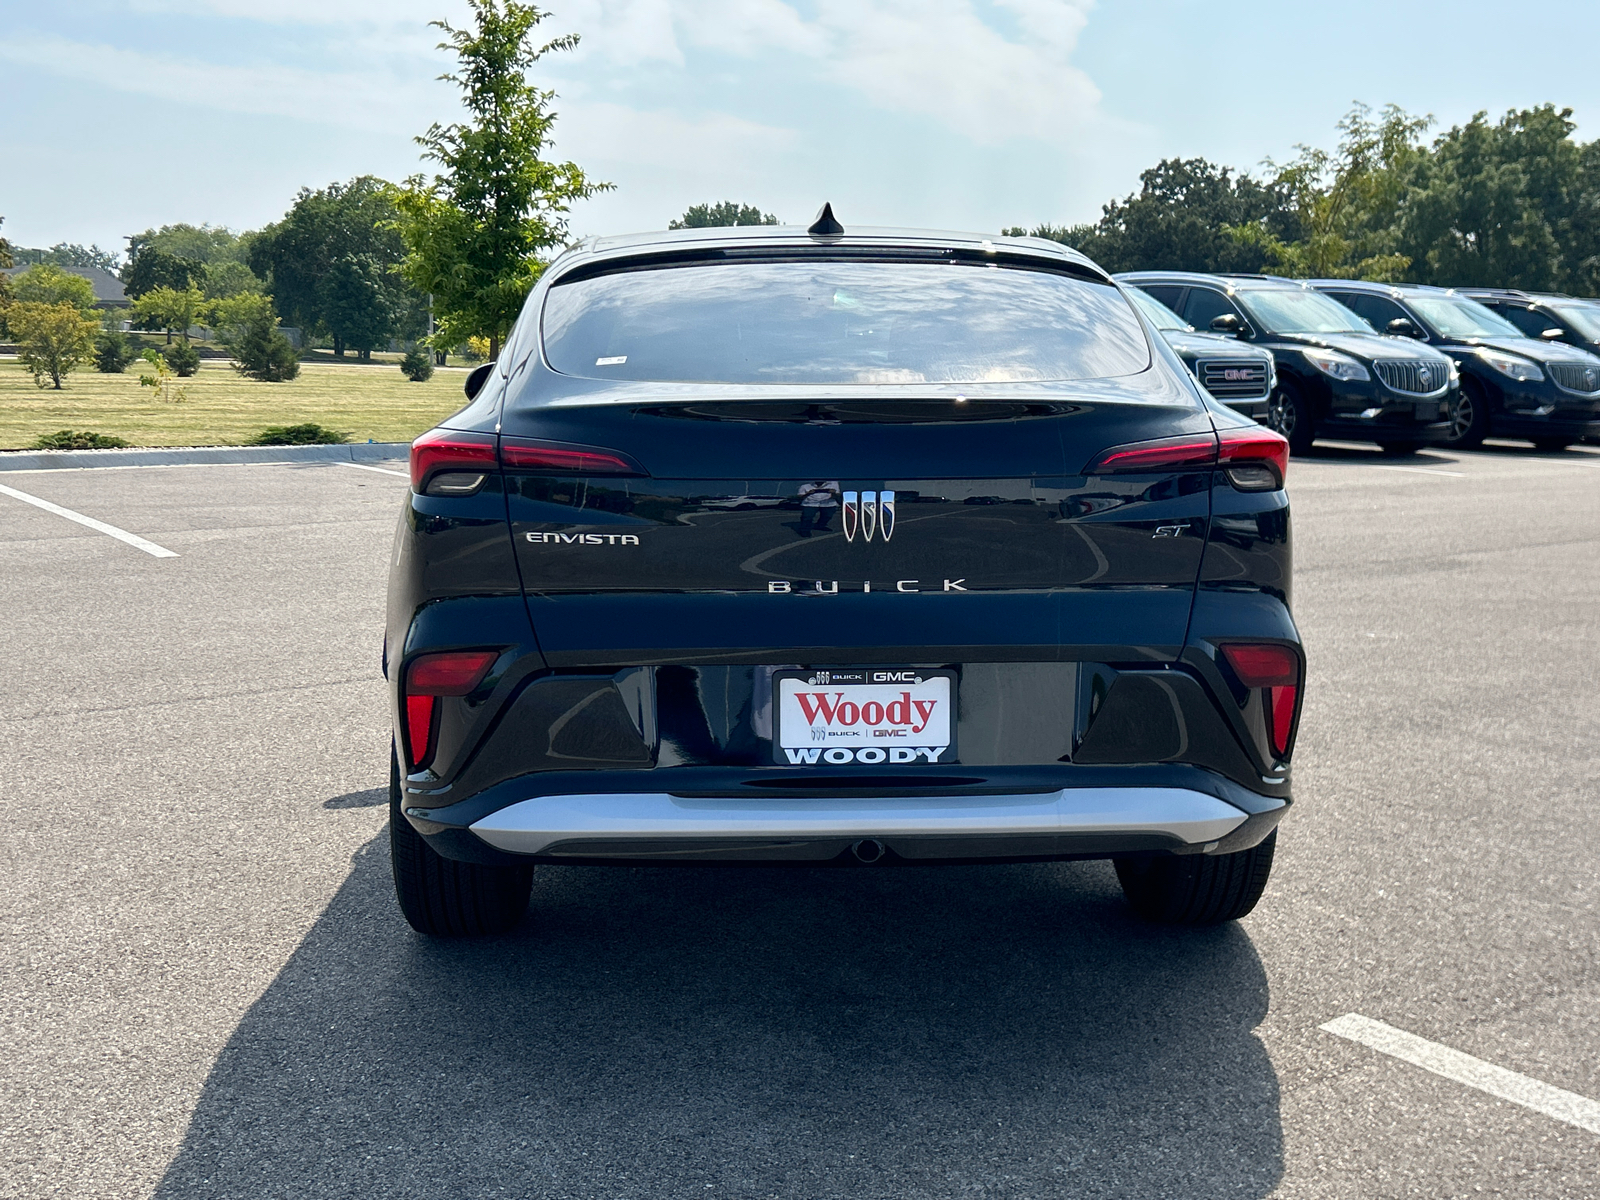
[69, 254]
[203, 243]
[1342, 206]
[475, 231]
[1178, 220]
[331, 262]
[714, 216]
[151, 268]
[1493, 204]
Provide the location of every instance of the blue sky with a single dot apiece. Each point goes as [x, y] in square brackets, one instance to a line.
[972, 114]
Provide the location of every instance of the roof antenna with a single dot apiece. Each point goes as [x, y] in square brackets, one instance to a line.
[826, 224]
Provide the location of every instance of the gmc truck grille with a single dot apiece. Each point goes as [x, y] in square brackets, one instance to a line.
[1234, 380]
[1415, 377]
[1576, 377]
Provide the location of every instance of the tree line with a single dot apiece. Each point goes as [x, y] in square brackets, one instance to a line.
[1507, 203]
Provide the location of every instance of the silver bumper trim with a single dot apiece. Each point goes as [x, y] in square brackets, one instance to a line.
[534, 826]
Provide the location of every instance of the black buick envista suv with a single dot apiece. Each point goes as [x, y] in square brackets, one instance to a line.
[1337, 377]
[777, 545]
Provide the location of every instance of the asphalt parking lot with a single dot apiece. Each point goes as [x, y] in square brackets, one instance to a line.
[207, 991]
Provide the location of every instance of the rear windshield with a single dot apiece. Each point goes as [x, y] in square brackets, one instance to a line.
[832, 322]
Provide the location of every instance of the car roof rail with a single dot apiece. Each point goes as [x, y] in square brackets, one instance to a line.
[1506, 293]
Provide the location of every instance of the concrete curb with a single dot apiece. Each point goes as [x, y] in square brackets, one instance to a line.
[47, 460]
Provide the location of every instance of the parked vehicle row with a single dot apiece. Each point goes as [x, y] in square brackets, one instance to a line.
[1400, 365]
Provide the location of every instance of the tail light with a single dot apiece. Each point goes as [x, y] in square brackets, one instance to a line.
[1160, 454]
[1256, 458]
[429, 676]
[1275, 669]
[565, 458]
[447, 463]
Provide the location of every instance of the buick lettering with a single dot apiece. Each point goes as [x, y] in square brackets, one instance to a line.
[839, 547]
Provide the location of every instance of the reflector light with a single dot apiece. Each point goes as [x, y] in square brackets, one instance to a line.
[1263, 666]
[1283, 699]
[449, 673]
[1159, 454]
[444, 449]
[564, 458]
[1275, 669]
[419, 728]
[1252, 446]
[429, 676]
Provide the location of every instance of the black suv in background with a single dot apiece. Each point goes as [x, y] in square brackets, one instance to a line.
[1336, 376]
[1545, 315]
[1511, 385]
[1241, 376]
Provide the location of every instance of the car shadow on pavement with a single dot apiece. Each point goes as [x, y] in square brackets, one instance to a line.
[650, 1032]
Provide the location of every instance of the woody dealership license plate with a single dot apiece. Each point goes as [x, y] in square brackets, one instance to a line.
[869, 715]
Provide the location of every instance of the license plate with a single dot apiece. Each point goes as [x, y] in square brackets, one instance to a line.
[1428, 412]
[871, 716]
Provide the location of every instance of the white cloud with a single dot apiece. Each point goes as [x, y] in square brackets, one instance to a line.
[604, 132]
[370, 100]
[934, 58]
[312, 12]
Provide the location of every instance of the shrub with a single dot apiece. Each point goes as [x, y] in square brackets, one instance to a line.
[113, 351]
[417, 365]
[81, 439]
[249, 329]
[53, 339]
[182, 358]
[308, 434]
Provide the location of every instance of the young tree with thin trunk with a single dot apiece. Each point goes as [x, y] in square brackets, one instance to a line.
[474, 233]
[53, 339]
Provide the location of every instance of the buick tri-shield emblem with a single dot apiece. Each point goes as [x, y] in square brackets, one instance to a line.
[1425, 375]
[868, 513]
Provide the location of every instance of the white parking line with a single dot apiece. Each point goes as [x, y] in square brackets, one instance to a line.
[1474, 1072]
[122, 535]
[379, 470]
[1424, 471]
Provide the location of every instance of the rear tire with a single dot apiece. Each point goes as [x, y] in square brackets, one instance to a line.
[1551, 443]
[445, 898]
[1197, 889]
[1289, 413]
[1469, 418]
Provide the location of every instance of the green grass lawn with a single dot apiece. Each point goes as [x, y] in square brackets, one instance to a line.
[222, 408]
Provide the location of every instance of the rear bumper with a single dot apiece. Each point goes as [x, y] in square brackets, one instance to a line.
[1077, 822]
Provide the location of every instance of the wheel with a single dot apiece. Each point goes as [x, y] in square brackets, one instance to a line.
[1469, 418]
[1289, 412]
[1404, 446]
[1197, 889]
[443, 897]
[1551, 443]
